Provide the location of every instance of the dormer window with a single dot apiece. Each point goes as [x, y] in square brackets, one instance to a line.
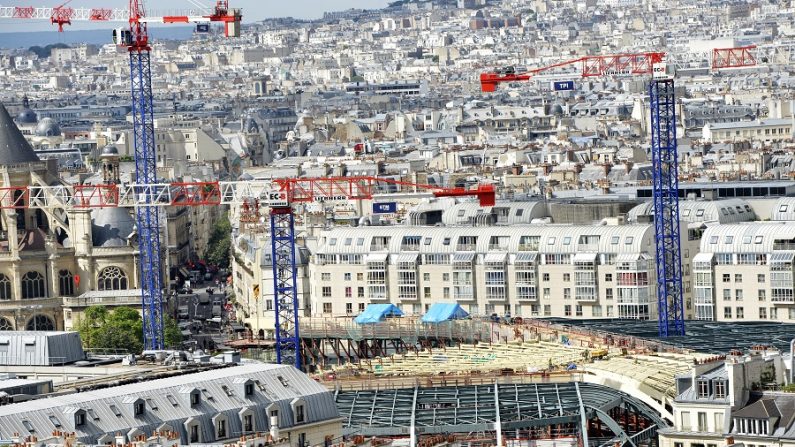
[299, 411]
[300, 415]
[194, 399]
[703, 388]
[138, 408]
[80, 419]
[720, 389]
[249, 389]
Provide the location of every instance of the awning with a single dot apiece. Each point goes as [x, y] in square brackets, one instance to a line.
[376, 257]
[526, 257]
[627, 257]
[704, 257]
[463, 257]
[781, 257]
[495, 257]
[405, 257]
[585, 257]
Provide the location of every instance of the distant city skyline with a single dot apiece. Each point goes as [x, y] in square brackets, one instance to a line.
[253, 10]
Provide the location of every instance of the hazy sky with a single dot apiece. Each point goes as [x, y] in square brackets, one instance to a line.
[253, 10]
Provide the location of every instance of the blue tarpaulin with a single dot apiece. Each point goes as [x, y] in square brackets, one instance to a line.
[376, 313]
[439, 312]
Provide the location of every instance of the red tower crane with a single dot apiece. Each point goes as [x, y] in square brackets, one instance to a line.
[64, 15]
[135, 39]
[590, 66]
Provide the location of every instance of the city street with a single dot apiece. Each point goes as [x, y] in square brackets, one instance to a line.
[202, 315]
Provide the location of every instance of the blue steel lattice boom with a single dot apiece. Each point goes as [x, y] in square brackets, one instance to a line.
[147, 216]
[285, 292]
[666, 207]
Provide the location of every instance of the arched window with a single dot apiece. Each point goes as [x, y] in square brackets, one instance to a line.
[5, 325]
[66, 283]
[112, 278]
[5, 287]
[33, 286]
[40, 323]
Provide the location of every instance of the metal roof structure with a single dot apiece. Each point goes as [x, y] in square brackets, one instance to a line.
[177, 404]
[504, 213]
[756, 237]
[40, 348]
[439, 240]
[504, 408]
[783, 209]
[695, 211]
[702, 336]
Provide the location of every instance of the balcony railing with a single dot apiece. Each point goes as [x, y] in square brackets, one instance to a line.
[102, 301]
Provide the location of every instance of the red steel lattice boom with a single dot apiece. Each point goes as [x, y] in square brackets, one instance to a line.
[617, 64]
[739, 57]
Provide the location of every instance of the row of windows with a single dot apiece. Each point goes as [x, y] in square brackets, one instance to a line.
[522, 276]
[34, 285]
[529, 243]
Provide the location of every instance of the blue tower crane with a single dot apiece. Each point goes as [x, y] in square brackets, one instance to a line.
[283, 252]
[665, 168]
[147, 215]
[286, 306]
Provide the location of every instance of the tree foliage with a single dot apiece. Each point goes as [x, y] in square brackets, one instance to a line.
[171, 332]
[120, 329]
[220, 243]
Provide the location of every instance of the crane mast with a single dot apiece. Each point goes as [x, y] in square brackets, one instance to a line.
[665, 175]
[147, 216]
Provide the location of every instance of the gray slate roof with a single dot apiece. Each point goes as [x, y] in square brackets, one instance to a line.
[14, 148]
[167, 401]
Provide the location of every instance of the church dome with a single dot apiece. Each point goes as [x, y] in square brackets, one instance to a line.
[26, 115]
[110, 151]
[47, 128]
[110, 227]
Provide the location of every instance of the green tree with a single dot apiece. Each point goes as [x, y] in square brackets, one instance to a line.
[90, 325]
[171, 333]
[220, 243]
[120, 329]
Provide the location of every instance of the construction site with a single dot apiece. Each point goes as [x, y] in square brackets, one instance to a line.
[446, 223]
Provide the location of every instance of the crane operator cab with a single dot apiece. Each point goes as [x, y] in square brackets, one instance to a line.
[661, 70]
[122, 37]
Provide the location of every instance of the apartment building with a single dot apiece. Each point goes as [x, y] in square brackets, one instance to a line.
[252, 272]
[721, 403]
[744, 272]
[605, 271]
[773, 129]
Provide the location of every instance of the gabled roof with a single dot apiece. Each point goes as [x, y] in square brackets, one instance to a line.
[761, 409]
[14, 148]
